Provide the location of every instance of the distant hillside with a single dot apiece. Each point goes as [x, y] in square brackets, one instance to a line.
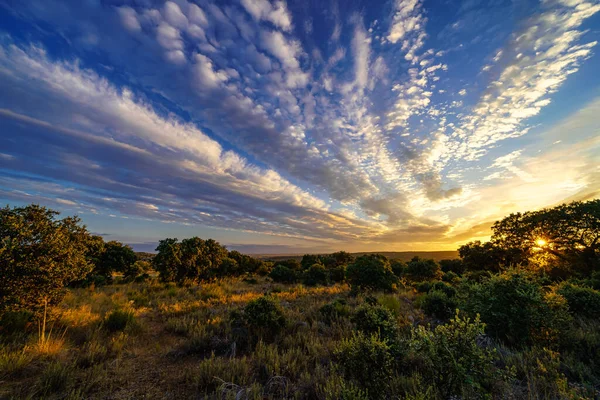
[392, 255]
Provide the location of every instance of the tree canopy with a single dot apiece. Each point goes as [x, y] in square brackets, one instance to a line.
[39, 255]
[568, 234]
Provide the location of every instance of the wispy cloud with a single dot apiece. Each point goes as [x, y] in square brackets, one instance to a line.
[307, 123]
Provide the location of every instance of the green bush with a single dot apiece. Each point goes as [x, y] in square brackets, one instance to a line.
[516, 309]
[375, 319]
[264, 317]
[371, 272]
[366, 360]
[119, 320]
[423, 287]
[337, 274]
[450, 277]
[315, 275]
[451, 360]
[398, 268]
[334, 310]
[137, 269]
[438, 304]
[444, 287]
[283, 274]
[419, 269]
[582, 301]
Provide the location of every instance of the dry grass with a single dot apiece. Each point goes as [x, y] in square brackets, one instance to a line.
[183, 344]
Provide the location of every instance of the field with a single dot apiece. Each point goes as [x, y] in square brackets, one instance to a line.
[514, 318]
[156, 340]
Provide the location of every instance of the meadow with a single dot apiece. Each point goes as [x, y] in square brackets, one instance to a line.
[198, 321]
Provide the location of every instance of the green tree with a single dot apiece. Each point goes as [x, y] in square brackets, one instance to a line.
[116, 257]
[193, 260]
[371, 272]
[39, 256]
[168, 259]
[315, 275]
[419, 269]
[308, 260]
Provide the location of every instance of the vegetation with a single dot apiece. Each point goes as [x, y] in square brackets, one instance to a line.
[511, 319]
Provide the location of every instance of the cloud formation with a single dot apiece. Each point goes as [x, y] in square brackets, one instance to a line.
[256, 116]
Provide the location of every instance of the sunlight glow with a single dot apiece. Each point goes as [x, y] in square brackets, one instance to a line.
[541, 242]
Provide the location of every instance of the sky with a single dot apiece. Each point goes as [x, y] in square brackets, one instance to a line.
[299, 126]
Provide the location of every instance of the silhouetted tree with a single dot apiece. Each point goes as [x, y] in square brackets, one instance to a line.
[568, 232]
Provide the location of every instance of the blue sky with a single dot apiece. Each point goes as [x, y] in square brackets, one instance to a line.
[279, 127]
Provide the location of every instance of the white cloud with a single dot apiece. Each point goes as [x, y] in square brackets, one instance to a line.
[263, 10]
[536, 63]
[129, 18]
[174, 16]
[406, 20]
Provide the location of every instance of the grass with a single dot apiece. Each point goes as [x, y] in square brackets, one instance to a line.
[154, 340]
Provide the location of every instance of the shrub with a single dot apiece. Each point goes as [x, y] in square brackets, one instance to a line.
[398, 267]
[118, 320]
[366, 361]
[283, 274]
[516, 309]
[446, 288]
[15, 322]
[423, 287]
[451, 359]
[438, 304]
[453, 265]
[334, 310]
[337, 274]
[264, 268]
[371, 272]
[419, 269]
[375, 319]
[138, 268]
[540, 369]
[264, 317]
[315, 275]
[450, 277]
[581, 300]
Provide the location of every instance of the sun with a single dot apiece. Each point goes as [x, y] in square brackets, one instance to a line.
[541, 242]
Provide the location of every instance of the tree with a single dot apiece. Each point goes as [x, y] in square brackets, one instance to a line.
[39, 256]
[168, 259]
[419, 269]
[371, 272]
[116, 257]
[477, 256]
[336, 259]
[308, 260]
[569, 232]
[136, 269]
[193, 260]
